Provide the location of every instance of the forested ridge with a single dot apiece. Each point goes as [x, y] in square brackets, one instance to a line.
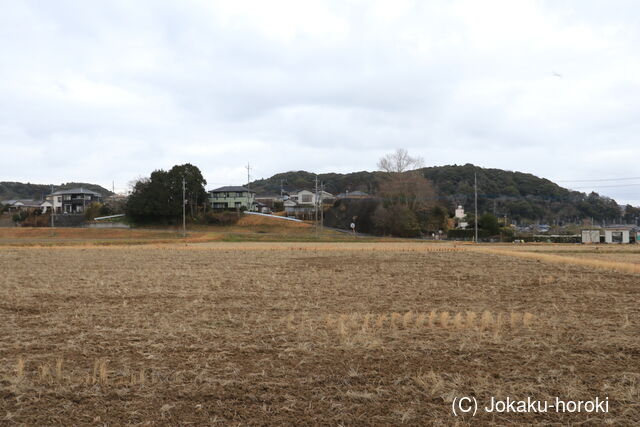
[520, 196]
[19, 190]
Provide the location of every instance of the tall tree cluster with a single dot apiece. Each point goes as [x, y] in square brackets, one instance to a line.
[159, 197]
[409, 200]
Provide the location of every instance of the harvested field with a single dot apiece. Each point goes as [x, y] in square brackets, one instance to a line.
[28, 236]
[269, 221]
[248, 229]
[329, 334]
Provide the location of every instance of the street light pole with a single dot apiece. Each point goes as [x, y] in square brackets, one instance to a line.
[184, 213]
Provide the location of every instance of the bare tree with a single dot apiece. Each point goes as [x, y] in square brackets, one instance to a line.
[410, 189]
[400, 161]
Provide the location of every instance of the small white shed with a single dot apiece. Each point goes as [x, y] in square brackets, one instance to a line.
[616, 235]
[590, 236]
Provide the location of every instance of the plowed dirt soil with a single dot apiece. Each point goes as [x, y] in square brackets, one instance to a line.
[287, 334]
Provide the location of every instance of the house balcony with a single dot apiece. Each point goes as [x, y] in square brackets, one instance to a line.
[78, 201]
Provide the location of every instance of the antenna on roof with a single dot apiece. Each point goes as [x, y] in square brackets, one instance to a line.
[248, 168]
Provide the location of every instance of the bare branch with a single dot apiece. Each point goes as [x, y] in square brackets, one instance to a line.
[400, 161]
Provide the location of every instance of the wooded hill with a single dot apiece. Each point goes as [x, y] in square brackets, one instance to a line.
[20, 190]
[520, 196]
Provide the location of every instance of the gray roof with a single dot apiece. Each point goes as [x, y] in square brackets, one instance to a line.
[76, 191]
[32, 203]
[25, 202]
[230, 188]
[310, 191]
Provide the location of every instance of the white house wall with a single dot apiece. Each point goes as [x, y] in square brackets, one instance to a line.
[608, 235]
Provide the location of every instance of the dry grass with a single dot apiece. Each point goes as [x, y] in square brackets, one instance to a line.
[257, 220]
[621, 260]
[281, 334]
[358, 323]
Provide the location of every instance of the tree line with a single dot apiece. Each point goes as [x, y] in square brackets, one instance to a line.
[522, 197]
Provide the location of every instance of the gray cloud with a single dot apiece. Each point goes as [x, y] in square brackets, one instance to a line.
[129, 87]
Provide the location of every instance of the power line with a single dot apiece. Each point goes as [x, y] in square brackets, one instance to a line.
[606, 186]
[598, 180]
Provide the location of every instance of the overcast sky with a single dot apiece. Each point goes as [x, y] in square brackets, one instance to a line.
[102, 91]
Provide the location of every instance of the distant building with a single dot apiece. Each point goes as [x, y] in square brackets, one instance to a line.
[608, 235]
[46, 206]
[459, 217]
[617, 235]
[232, 197]
[73, 201]
[353, 195]
[542, 228]
[590, 236]
[302, 203]
[28, 205]
[308, 198]
[268, 199]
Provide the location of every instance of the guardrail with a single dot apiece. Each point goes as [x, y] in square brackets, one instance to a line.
[108, 217]
[273, 216]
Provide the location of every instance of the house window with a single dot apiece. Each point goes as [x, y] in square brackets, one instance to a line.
[67, 197]
[59, 199]
[239, 193]
[238, 204]
[306, 198]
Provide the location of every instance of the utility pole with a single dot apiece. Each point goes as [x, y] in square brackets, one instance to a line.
[315, 202]
[52, 207]
[321, 208]
[248, 168]
[184, 212]
[475, 203]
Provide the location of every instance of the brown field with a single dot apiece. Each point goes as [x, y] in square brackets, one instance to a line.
[310, 334]
[248, 229]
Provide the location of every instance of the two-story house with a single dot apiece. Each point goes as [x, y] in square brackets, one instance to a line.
[232, 197]
[308, 198]
[303, 203]
[74, 200]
